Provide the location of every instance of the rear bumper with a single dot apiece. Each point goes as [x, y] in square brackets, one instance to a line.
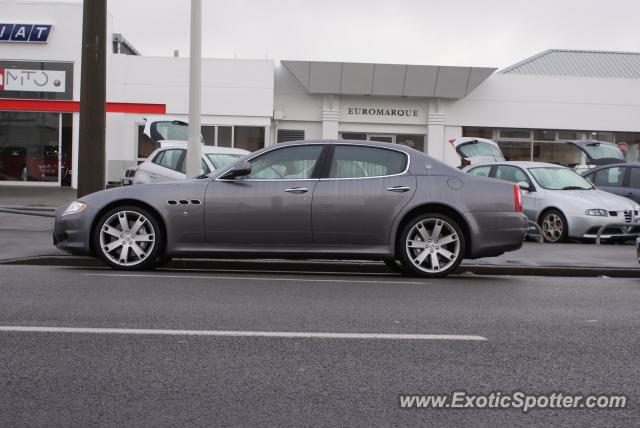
[493, 234]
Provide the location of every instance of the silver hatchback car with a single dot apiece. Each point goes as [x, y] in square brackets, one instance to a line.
[562, 202]
[306, 199]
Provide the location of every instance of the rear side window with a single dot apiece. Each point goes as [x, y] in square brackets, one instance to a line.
[608, 177]
[169, 159]
[511, 173]
[634, 178]
[482, 171]
[363, 161]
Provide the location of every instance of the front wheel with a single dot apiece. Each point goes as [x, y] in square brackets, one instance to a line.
[554, 226]
[431, 245]
[128, 238]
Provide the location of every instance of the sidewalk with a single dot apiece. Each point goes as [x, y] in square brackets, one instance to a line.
[25, 236]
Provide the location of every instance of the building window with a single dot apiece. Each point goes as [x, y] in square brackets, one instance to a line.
[515, 150]
[477, 132]
[353, 136]
[520, 134]
[248, 137]
[601, 136]
[208, 134]
[285, 135]
[553, 152]
[35, 146]
[544, 135]
[567, 135]
[224, 136]
[414, 141]
[146, 145]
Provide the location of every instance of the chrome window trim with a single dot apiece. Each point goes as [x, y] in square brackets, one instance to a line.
[336, 143]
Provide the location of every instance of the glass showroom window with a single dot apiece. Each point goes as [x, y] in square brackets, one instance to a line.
[554, 152]
[32, 146]
[474, 131]
[414, 141]
[248, 137]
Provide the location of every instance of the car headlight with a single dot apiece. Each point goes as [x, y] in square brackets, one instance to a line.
[75, 208]
[596, 211]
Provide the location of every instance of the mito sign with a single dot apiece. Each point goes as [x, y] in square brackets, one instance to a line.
[32, 80]
[24, 33]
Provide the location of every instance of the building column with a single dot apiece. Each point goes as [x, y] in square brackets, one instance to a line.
[267, 136]
[435, 130]
[330, 117]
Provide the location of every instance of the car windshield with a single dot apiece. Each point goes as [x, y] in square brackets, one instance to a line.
[478, 148]
[603, 151]
[558, 178]
[220, 160]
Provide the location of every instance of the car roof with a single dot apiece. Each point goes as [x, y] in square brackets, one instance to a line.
[597, 168]
[521, 164]
[207, 149]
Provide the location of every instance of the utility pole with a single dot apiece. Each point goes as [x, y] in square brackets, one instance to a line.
[91, 147]
[195, 90]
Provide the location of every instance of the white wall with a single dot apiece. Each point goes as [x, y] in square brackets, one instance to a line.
[522, 101]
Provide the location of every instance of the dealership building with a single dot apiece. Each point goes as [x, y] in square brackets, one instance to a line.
[529, 108]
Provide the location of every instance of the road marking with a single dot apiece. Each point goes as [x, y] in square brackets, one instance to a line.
[259, 278]
[227, 333]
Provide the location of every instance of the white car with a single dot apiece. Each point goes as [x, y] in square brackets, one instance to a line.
[169, 163]
[564, 204]
[474, 150]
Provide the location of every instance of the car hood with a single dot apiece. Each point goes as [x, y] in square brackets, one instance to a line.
[576, 201]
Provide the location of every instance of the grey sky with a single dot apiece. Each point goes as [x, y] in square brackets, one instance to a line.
[455, 32]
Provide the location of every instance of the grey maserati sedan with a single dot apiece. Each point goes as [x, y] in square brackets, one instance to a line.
[306, 199]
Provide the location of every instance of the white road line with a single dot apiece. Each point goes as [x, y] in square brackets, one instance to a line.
[258, 278]
[226, 333]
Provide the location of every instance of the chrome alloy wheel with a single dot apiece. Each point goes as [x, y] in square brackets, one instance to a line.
[433, 245]
[127, 238]
[553, 227]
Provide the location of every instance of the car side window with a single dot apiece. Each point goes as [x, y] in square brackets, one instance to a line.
[634, 178]
[288, 163]
[511, 173]
[170, 159]
[363, 161]
[482, 171]
[611, 177]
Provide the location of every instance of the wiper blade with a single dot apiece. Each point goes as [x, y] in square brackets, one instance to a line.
[573, 188]
[201, 176]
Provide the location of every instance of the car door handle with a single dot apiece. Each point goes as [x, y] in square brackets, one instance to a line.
[398, 189]
[153, 176]
[297, 190]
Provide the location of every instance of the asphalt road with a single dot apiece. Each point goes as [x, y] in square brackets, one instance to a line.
[543, 335]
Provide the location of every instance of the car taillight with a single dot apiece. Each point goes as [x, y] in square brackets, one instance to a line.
[465, 162]
[517, 198]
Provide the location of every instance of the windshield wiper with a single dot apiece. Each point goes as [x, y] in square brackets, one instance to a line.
[201, 176]
[573, 188]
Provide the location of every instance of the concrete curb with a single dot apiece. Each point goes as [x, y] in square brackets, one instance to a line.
[361, 267]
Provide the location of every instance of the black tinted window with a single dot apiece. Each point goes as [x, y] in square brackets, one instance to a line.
[608, 177]
[363, 161]
[634, 178]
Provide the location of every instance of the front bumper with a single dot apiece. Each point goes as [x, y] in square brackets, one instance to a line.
[72, 233]
[586, 226]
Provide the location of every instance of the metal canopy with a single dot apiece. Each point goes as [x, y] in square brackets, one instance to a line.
[349, 78]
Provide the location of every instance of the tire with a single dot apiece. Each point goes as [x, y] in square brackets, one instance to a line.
[422, 254]
[554, 226]
[114, 234]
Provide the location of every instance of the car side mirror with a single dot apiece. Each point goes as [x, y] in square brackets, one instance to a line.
[238, 170]
[523, 185]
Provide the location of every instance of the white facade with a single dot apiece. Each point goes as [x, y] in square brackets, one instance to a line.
[270, 96]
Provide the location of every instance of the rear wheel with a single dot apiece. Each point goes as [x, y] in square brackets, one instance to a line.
[431, 245]
[554, 226]
[128, 238]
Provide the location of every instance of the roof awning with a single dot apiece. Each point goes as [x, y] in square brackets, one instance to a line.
[349, 78]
